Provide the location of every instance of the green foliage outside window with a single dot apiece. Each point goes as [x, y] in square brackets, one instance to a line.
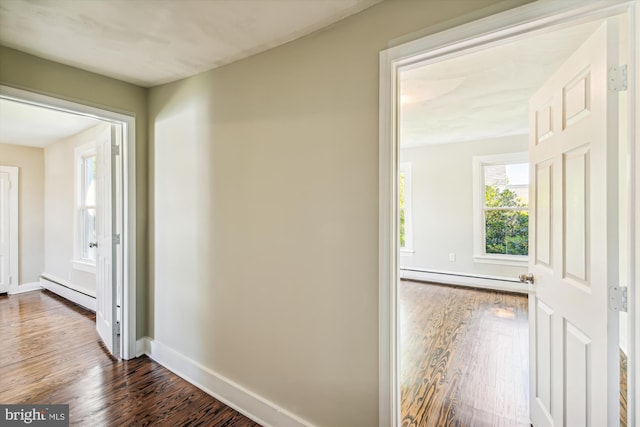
[401, 209]
[506, 230]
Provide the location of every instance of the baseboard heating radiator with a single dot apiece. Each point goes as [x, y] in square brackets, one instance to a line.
[68, 291]
[464, 279]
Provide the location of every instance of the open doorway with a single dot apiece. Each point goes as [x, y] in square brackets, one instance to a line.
[458, 164]
[464, 149]
[74, 207]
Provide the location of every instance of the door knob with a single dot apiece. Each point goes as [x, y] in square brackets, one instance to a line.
[526, 278]
[93, 244]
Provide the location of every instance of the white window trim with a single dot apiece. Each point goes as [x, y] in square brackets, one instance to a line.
[479, 254]
[80, 153]
[407, 250]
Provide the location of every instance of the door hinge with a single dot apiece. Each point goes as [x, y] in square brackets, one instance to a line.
[618, 298]
[116, 328]
[116, 239]
[115, 150]
[617, 78]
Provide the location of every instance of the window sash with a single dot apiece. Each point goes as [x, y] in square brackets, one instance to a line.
[505, 236]
[506, 243]
[86, 208]
[87, 225]
[507, 208]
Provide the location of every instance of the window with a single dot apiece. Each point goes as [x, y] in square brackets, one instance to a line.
[501, 200]
[85, 250]
[404, 207]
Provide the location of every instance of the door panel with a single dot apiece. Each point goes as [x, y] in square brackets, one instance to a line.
[574, 337]
[575, 193]
[544, 317]
[576, 100]
[576, 372]
[544, 209]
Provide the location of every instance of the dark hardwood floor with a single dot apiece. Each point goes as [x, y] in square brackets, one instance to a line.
[464, 356]
[51, 353]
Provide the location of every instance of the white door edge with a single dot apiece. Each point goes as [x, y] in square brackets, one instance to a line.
[129, 244]
[459, 40]
[14, 227]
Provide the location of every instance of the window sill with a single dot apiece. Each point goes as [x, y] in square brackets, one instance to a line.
[406, 252]
[87, 267]
[512, 260]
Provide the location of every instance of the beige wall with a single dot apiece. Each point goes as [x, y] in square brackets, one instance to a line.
[59, 202]
[265, 201]
[442, 205]
[28, 72]
[30, 163]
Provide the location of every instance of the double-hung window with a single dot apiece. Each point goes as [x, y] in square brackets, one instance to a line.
[85, 179]
[501, 208]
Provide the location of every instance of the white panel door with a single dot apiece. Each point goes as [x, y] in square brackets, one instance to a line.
[105, 283]
[573, 230]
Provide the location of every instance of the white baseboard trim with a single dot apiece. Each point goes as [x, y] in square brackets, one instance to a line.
[25, 287]
[86, 301]
[483, 282]
[143, 346]
[257, 408]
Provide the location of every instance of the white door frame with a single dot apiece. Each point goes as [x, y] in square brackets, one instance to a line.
[128, 121]
[493, 30]
[14, 243]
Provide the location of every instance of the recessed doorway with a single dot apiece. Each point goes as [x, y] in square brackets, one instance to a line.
[77, 216]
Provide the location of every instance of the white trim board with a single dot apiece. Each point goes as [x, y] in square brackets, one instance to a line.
[143, 346]
[14, 227]
[539, 16]
[455, 279]
[26, 287]
[255, 407]
[68, 292]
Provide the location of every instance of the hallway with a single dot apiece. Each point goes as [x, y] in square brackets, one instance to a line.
[50, 353]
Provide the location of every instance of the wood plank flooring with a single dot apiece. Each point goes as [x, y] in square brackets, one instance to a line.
[623, 389]
[51, 353]
[464, 356]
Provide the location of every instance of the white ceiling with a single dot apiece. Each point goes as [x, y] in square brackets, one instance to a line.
[151, 42]
[481, 95]
[26, 124]
[476, 96]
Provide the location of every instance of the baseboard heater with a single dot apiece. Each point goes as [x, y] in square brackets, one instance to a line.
[464, 279]
[68, 291]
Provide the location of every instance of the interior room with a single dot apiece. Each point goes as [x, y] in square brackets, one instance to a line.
[42, 144]
[464, 135]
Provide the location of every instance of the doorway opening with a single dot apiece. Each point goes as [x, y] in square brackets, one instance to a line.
[428, 113]
[84, 166]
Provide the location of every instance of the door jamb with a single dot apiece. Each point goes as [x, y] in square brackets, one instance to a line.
[464, 39]
[128, 121]
[14, 226]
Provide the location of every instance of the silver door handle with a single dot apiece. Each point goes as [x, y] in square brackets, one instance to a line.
[93, 244]
[526, 278]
